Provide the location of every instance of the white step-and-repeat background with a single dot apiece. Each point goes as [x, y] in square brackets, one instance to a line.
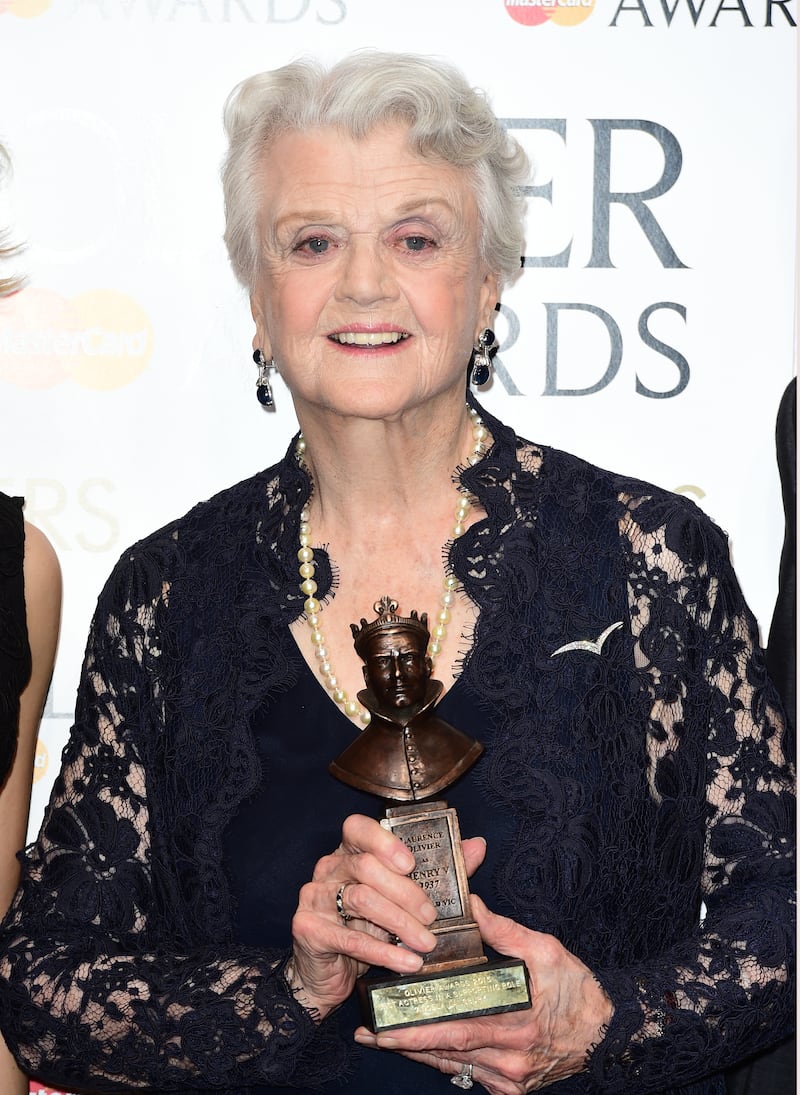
[652, 330]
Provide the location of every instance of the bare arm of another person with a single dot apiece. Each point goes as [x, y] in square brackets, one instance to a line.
[42, 611]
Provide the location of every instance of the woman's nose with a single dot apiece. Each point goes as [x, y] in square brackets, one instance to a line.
[365, 277]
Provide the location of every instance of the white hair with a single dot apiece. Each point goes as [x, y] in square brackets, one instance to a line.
[449, 121]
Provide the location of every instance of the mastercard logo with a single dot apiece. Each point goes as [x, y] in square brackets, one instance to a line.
[24, 9]
[101, 339]
[566, 13]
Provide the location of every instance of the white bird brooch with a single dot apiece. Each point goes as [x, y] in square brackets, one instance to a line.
[593, 646]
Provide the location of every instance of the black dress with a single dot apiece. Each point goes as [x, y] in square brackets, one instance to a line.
[15, 654]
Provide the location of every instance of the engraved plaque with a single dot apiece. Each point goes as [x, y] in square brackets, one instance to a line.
[427, 998]
[430, 837]
[430, 832]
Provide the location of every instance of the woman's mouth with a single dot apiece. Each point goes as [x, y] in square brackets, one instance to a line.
[368, 338]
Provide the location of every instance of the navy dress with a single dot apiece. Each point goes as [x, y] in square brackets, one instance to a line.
[301, 807]
[15, 655]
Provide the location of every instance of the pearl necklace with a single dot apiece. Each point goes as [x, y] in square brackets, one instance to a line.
[308, 586]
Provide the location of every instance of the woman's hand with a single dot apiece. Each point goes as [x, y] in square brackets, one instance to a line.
[523, 1050]
[371, 864]
[384, 905]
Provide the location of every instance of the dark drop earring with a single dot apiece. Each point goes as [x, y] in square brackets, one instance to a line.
[481, 368]
[263, 387]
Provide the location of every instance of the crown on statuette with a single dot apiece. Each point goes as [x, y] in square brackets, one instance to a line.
[389, 620]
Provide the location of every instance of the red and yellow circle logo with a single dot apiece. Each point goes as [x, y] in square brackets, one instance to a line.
[566, 13]
[24, 9]
[101, 339]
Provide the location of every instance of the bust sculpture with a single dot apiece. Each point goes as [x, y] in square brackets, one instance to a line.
[406, 753]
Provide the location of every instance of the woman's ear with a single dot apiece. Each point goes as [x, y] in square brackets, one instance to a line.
[261, 339]
[489, 299]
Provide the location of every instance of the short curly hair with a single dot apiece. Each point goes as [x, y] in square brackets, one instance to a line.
[449, 121]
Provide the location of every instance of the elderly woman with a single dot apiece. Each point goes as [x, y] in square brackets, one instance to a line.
[631, 805]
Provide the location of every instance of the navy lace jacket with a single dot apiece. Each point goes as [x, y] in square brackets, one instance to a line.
[651, 801]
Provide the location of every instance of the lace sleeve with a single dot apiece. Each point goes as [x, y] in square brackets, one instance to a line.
[726, 991]
[92, 992]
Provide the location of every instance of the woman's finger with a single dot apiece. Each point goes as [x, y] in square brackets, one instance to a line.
[324, 939]
[372, 892]
[474, 853]
[364, 902]
[365, 834]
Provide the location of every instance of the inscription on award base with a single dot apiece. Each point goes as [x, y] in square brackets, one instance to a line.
[428, 998]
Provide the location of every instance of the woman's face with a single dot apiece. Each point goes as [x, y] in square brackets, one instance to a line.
[371, 291]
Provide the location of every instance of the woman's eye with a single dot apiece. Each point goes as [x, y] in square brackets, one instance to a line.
[418, 243]
[315, 245]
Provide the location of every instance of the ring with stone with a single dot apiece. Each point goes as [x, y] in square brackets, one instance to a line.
[345, 916]
[463, 1079]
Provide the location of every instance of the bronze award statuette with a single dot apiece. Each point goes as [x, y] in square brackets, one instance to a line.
[405, 755]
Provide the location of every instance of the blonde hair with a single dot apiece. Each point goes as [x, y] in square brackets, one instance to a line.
[448, 120]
